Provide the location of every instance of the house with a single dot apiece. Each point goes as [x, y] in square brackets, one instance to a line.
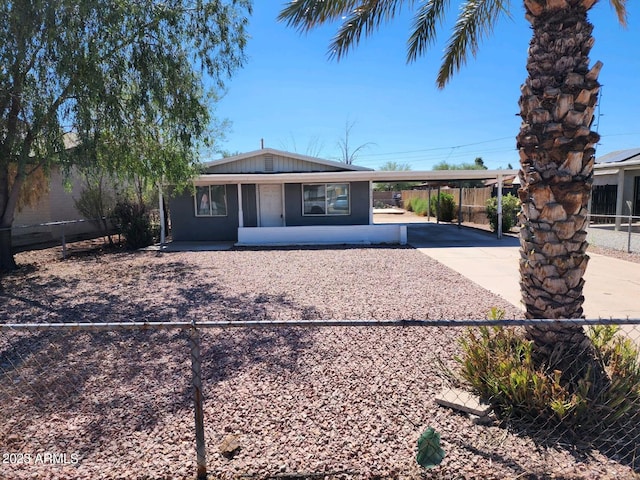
[616, 184]
[54, 214]
[272, 197]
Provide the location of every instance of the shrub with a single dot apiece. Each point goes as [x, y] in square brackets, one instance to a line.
[447, 207]
[420, 206]
[510, 209]
[134, 223]
[96, 205]
[499, 365]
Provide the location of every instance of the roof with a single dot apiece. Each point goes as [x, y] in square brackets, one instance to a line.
[620, 156]
[243, 163]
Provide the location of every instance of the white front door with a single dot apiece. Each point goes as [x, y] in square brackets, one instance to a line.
[270, 199]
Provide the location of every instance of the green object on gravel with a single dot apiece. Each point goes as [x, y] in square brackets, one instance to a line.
[429, 452]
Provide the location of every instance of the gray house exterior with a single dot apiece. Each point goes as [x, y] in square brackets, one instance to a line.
[616, 184]
[274, 197]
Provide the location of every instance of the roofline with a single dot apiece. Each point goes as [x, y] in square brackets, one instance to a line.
[282, 153]
[352, 176]
[618, 165]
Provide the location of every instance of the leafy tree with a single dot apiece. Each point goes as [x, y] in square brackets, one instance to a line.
[122, 79]
[392, 166]
[478, 164]
[555, 142]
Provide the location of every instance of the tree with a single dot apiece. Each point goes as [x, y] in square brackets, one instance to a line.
[478, 164]
[391, 166]
[347, 155]
[555, 142]
[125, 78]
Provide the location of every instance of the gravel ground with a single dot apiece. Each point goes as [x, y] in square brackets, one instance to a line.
[346, 402]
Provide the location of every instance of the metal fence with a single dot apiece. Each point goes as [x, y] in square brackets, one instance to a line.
[278, 399]
[56, 233]
[618, 232]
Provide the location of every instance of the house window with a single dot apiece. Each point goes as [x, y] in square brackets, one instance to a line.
[211, 201]
[326, 199]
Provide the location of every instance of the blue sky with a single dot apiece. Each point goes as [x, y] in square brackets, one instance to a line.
[295, 98]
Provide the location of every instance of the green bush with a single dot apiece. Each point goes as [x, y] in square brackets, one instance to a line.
[134, 223]
[447, 207]
[420, 206]
[499, 365]
[408, 205]
[510, 209]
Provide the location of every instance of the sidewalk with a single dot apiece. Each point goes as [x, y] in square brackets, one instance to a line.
[610, 290]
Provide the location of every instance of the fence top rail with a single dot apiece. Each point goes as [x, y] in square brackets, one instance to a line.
[56, 223]
[624, 217]
[307, 323]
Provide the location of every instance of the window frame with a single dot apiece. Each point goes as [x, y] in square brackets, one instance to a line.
[210, 214]
[344, 185]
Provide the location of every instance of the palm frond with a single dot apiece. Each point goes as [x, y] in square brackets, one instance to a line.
[306, 14]
[620, 6]
[476, 20]
[425, 27]
[365, 18]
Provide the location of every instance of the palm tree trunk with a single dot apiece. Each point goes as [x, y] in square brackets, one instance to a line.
[557, 150]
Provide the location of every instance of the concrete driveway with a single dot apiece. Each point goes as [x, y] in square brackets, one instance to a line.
[611, 290]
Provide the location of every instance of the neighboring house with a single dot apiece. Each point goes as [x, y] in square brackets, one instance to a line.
[271, 197]
[616, 182]
[56, 205]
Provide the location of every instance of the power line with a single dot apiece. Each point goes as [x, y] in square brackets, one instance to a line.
[435, 148]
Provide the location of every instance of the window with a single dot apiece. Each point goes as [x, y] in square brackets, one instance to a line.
[326, 199]
[211, 201]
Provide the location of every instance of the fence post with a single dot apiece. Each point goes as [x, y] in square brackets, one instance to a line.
[64, 244]
[197, 401]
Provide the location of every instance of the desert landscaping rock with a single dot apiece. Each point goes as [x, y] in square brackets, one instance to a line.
[320, 402]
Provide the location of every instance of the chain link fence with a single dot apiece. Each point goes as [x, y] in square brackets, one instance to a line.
[279, 399]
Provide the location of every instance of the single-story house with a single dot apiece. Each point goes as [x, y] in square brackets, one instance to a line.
[616, 183]
[249, 198]
[272, 197]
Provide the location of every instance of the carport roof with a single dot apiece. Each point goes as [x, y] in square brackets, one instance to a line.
[354, 176]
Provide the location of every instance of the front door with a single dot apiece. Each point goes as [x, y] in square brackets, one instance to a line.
[270, 200]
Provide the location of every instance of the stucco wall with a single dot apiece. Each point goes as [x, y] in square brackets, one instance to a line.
[186, 227]
[359, 214]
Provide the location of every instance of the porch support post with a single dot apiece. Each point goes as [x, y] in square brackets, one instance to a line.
[370, 202]
[619, 198]
[499, 228]
[240, 212]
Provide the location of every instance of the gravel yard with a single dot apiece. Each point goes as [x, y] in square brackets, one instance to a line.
[340, 402]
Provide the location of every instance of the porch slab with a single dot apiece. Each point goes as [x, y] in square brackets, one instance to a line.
[323, 235]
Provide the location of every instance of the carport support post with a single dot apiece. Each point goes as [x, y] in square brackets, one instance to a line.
[428, 204]
[438, 206]
[499, 227]
[459, 204]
